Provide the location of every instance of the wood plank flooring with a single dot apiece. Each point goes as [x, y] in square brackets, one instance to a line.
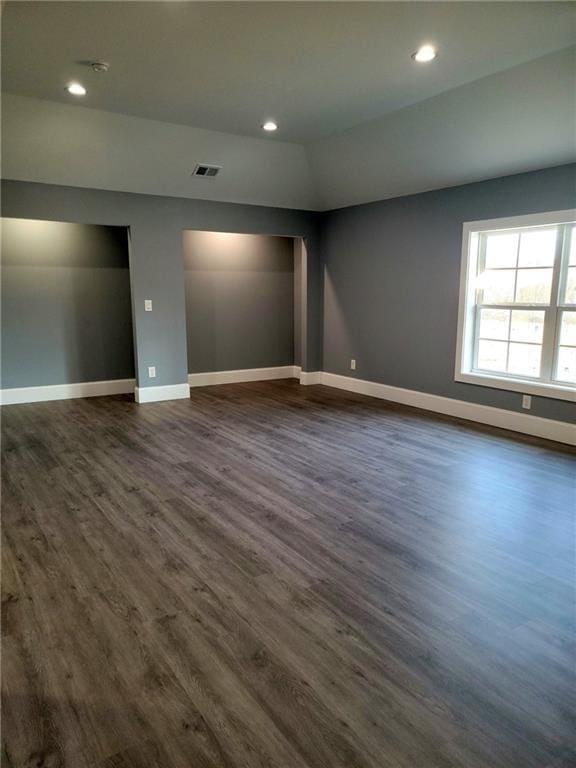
[276, 576]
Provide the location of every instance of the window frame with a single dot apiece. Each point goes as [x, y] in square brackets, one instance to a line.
[468, 327]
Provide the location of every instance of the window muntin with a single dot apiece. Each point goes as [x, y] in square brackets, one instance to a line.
[521, 305]
[566, 358]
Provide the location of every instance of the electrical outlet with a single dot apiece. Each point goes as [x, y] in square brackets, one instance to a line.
[352, 365]
[151, 371]
[148, 305]
[526, 402]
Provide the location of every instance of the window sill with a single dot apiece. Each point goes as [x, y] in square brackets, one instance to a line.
[525, 386]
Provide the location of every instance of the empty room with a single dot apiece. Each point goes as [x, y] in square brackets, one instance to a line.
[288, 384]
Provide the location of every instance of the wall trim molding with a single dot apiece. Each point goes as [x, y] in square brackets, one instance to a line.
[514, 421]
[41, 394]
[549, 429]
[311, 377]
[243, 374]
[166, 392]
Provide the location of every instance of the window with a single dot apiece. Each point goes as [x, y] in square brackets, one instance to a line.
[517, 319]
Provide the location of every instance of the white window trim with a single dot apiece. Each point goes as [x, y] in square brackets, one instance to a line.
[466, 308]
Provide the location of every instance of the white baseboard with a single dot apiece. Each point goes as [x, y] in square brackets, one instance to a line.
[242, 375]
[497, 417]
[167, 392]
[549, 429]
[311, 377]
[66, 391]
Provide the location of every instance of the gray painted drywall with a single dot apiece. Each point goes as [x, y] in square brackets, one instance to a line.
[297, 245]
[392, 272]
[66, 310]
[156, 265]
[389, 286]
[239, 300]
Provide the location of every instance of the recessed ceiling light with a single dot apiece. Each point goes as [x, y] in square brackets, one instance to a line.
[425, 54]
[76, 89]
[270, 126]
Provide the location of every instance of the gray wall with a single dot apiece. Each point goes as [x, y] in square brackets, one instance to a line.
[156, 268]
[392, 282]
[298, 299]
[66, 309]
[239, 300]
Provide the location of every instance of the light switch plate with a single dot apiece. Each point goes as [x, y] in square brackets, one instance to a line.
[151, 371]
[527, 402]
[148, 305]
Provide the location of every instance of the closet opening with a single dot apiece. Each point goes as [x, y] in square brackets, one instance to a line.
[66, 309]
[244, 306]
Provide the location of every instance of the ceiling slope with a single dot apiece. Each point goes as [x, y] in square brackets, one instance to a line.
[315, 67]
[55, 143]
[513, 121]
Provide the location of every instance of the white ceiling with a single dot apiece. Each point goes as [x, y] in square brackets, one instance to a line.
[53, 143]
[318, 68]
[514, 121]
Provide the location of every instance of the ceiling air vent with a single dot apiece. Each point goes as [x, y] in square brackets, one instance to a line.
[206, 171]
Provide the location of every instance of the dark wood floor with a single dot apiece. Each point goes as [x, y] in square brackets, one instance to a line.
[276, 576]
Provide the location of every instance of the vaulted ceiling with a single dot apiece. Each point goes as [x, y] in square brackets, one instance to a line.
[351, 104]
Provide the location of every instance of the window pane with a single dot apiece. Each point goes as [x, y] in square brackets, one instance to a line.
[492, 355]
[527, 326]
[494, 323]
[570, 289]
[524, 359]
[533, 286]
[566, 368]
[501, 251]
[568, 328]
[497, 286]
[537, 248]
